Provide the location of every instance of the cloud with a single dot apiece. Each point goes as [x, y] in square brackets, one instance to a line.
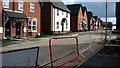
[110, 19]
[96, 0]
[68, 1]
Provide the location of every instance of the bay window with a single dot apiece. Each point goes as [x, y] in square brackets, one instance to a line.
[80, 25]
[32, 25]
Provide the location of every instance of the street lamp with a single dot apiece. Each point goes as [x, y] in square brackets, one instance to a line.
[106, 25]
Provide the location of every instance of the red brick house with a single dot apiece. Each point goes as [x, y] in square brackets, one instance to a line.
[90, 20]
[76, 19]
[95, 22]
[55, 17]
[20, 19]
[0, 19]
[85, 18]
[100, 23]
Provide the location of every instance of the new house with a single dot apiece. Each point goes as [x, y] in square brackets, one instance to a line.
[77, 23]
[1, 29]
[90, 20]
[20, 19]
[100, 23]
[55, 17]
[85, 18]
[95, 22]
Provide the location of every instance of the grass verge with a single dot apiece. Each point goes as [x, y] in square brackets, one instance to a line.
[7, 41]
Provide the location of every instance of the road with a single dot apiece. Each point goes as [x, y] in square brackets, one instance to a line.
[84, 41]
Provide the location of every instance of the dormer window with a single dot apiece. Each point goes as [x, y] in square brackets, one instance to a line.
[20, 5]
[5, 3]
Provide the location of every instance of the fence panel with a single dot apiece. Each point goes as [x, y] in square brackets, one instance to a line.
[63, 50]
[22, 58]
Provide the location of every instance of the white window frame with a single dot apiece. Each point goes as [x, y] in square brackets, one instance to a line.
[80, 25]
[5, 2]
[62, 12]
[20, 5]
[79, 17]
[66, 25]
[66, 15]
[31, 4]
[58, 12]
[31, 29]
[57, 25]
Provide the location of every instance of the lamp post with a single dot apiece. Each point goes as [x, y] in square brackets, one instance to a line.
[106, 25]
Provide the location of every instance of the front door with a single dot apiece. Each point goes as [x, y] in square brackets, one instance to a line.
[18, 28]
[8, 29]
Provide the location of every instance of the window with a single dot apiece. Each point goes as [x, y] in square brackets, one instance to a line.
[6, 3]
[32, 25]
[32, 7]
[57, 25]
[57, 12]
[66, 25]
[80, 25]
[20, 5]
[66, 15]
[62, 12]
[79, 17]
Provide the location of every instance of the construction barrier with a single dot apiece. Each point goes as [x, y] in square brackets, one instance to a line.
[109, 35]
[89, 45]
[63, 50]
[21, 58]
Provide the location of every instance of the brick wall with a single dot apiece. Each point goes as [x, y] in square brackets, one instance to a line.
[85, 15]
[46, 18]
[0, 18]
[26, 10]
[79, 19]
[73, 23]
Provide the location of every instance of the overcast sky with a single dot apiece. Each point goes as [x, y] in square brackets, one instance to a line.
[98, 7]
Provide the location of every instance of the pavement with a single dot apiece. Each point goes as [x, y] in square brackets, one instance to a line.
[84, 41]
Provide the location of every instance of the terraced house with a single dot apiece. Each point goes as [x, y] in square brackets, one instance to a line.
[55, 17]
[1, 29]
[20, 18]
[100, 23]
[95, 22]
[77, 23]
[85, 18]
[90, 20]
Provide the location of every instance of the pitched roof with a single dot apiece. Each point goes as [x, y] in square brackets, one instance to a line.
[95, 17]
[83, 10]
[12, 14]
[74, 8]
[89, 14]
[59, 4]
